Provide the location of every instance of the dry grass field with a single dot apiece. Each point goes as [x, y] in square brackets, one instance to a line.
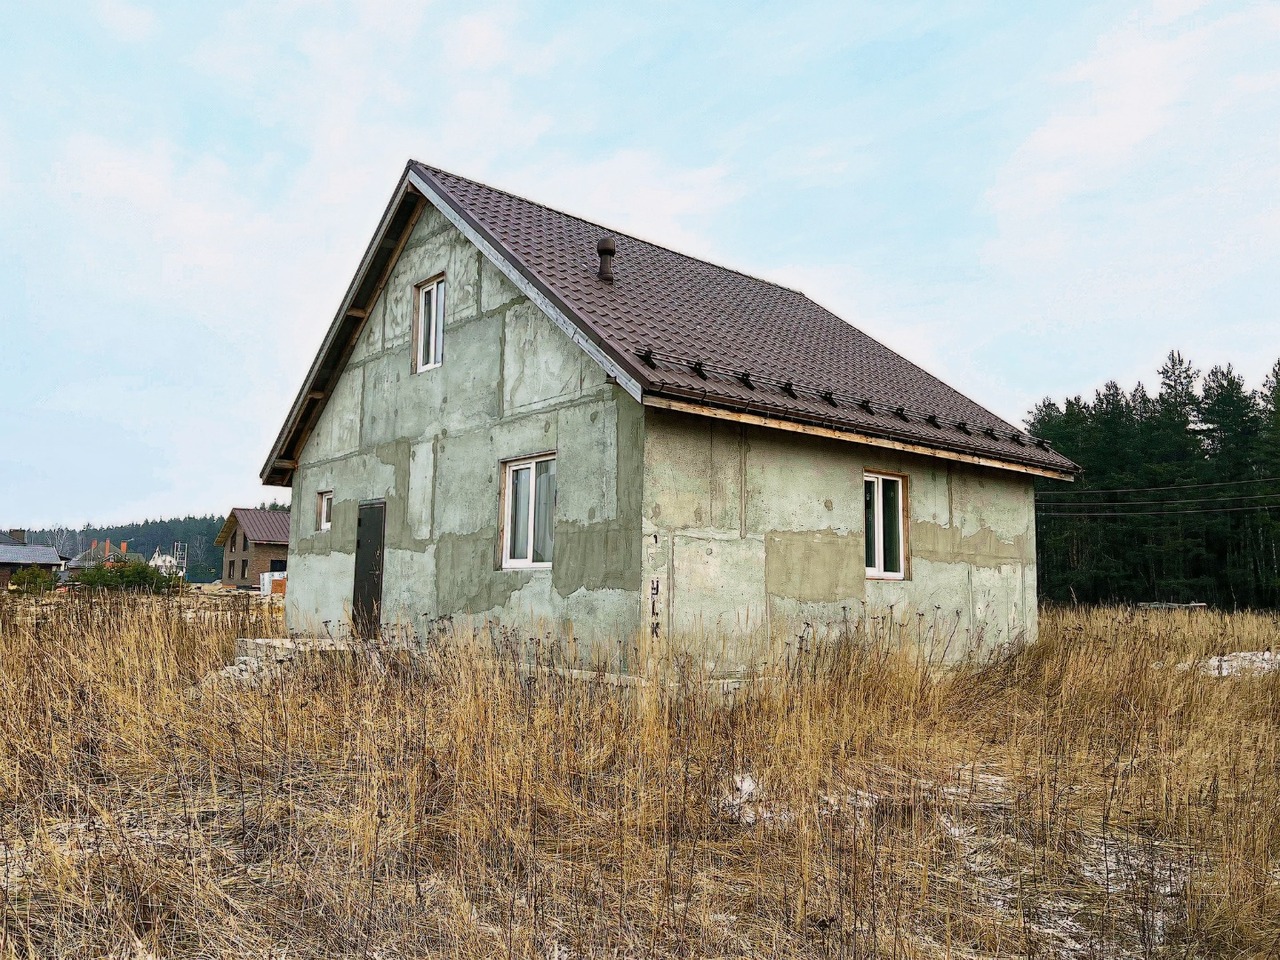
[1105, 792]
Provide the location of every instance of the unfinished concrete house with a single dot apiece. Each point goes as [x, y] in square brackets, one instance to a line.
[518, 416]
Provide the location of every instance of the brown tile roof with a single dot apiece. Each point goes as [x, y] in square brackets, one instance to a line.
[682, 330]
[261, 526]
[665, 312]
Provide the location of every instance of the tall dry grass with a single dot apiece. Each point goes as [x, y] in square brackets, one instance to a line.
[1080, 797]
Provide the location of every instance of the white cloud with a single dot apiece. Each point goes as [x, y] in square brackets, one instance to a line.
[126, 21]
[480, 40]
[1141, 212]
[1128, 91]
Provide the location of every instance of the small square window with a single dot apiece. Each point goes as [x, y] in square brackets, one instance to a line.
[428, 326]
[324, 509]
[883, 511]
[529, 512]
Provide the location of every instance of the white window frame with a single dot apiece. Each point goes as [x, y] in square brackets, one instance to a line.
[878, 571]
[324, 517]
[428, 324]
[508, 502]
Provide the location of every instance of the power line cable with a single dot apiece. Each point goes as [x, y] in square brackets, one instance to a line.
[1145, 503]
[1167, 513]
[1177, 486]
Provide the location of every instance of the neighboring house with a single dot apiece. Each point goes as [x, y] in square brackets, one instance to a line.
[16, 553]
[165, 563]
[522, 416]
[104, 553]
[253, 542]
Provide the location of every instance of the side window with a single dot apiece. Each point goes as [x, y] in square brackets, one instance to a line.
[884, 508]
[324, 509]
[244, 568]
[428, 325]
[245, 544]
[231, 569]
[529, 507]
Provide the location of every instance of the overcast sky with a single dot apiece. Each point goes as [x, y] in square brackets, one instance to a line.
[1026, 199]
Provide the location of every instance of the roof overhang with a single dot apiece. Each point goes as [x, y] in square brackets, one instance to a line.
[224, 534]
[851, 436]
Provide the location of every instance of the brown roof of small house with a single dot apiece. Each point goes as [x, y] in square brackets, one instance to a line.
[693, 333]
[260, 526]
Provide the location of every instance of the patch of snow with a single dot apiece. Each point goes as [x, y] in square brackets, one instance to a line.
[1245, 661]
[1232, 664]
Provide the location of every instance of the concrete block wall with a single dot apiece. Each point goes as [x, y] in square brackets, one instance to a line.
[752, 533]
[431, 443]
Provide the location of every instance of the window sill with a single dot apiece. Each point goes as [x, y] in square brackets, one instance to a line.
[888, 577]
[526, 567]
[428, 367]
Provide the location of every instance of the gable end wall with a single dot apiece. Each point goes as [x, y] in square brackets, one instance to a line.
[430, 445]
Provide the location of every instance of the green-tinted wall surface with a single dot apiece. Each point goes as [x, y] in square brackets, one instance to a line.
[754, 537]
[431, 444]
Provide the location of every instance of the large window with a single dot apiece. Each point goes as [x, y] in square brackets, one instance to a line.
[324, 509]
[428, 326]
[530, 507]
[884, 508]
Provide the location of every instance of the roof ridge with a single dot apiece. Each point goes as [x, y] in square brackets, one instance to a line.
[615, 231]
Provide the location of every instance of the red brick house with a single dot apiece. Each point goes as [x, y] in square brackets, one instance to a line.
[253, 542]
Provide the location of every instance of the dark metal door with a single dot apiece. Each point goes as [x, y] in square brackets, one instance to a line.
[366, 593]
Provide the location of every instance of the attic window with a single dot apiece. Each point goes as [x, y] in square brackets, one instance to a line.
[428, 324]
[324, 509]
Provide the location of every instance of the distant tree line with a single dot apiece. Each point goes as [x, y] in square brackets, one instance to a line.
[1180, 495]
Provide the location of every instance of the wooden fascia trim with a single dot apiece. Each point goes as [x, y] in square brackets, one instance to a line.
[851, 436]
